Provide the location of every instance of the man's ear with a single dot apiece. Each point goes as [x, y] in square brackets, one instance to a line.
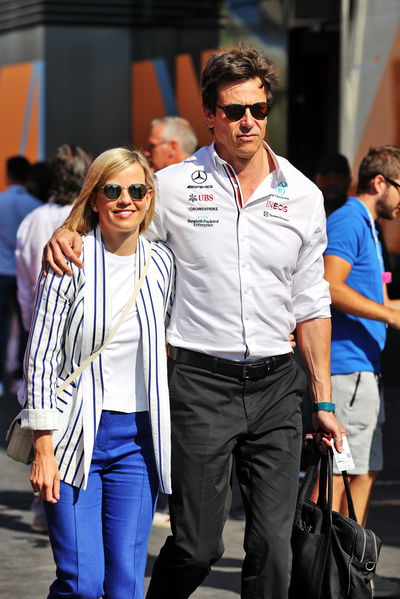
[208, 117]
[377, 183]
[174, 147]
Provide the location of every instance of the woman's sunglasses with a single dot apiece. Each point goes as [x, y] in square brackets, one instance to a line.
[235, 112]
[112, 191]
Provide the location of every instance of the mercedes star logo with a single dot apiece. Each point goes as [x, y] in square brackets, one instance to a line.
[199, 177]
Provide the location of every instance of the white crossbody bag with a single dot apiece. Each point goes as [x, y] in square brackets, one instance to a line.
[19, 439]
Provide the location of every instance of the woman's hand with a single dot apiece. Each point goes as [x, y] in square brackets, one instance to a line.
[45, 476]
[292, 341]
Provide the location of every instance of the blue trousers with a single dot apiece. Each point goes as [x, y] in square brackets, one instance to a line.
[99, 536]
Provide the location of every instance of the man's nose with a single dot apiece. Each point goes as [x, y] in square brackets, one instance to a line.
[247, 120]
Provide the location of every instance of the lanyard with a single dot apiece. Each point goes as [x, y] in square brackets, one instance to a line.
[376, 240]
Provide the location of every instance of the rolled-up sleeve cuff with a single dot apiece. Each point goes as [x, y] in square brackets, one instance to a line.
[40, 420]
[313, 303]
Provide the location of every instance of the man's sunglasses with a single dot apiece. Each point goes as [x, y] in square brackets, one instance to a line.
[235, 112]
[112, 191]
[391, 182]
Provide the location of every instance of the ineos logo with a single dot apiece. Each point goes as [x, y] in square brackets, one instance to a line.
[199, 177]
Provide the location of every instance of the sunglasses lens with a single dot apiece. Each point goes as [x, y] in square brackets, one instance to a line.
[112, 191]
[137, 191]
[259, 110]
[234, 112]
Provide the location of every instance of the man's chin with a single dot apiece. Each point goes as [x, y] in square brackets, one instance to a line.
[248, 149]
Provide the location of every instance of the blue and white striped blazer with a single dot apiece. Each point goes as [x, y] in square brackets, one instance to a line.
[72, 319]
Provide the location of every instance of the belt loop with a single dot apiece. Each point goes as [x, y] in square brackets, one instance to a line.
[214, 368]
[244, 371]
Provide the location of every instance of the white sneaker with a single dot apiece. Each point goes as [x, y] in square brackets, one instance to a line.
[161, 520]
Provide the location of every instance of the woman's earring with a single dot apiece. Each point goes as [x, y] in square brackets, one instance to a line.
[94, 208]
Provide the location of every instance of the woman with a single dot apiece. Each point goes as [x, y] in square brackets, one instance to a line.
[100, 443]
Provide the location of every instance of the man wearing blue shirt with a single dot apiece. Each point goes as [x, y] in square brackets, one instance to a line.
[362, 310]
[15, 203]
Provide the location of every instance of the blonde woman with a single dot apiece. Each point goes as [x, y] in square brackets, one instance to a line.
[102, 446]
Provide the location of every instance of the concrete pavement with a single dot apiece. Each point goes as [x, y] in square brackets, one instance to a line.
[26, 566]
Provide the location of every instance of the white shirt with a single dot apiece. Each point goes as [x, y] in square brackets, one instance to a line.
[124, 389]
[245, 275]
[34, 231]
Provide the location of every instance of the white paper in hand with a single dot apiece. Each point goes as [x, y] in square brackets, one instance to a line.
[344, 460]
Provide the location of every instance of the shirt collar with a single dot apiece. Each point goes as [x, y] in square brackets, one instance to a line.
[359, 207]
[17, 187]
[218, 161]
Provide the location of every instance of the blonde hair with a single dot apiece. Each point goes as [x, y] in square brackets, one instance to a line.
[107, 165]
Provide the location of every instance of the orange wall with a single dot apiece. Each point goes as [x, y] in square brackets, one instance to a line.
[148, 97]
[383, 127]
[20, 87]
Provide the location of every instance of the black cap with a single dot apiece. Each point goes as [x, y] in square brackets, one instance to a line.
[336, 163]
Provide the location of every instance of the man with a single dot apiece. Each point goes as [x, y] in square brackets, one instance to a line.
[171, 140]
[15, 204]
[333, 178]
[355, 270]
[247, 231]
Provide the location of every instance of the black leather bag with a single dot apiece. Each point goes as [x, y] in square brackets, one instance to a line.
[333, 556]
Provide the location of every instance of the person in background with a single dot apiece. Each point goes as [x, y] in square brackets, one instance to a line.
[68, 166]
[333, 178]
[39, 181]
[171, 140]
[357, 277]
[15, 203]
[102, 445]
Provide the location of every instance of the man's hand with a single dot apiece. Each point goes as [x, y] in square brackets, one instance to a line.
[328, 424]
[64, 245]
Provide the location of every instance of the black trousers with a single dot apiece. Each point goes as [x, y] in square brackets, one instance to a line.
[259, 422]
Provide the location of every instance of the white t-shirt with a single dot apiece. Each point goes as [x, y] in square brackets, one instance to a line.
[124, 389]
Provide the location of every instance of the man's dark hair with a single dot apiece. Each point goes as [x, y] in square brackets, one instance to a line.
[18, 168]
[382, 160]
[234, 65]
[333, 163]
[40, 181]
[69, 164]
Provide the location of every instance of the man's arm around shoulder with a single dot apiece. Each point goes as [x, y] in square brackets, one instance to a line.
[63, 245]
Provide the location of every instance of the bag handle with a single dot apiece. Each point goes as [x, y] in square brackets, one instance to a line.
[325, 477]
[113, 331]
[307, 481]
[350, 504]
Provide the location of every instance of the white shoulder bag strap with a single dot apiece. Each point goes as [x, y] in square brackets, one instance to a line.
[113, 331]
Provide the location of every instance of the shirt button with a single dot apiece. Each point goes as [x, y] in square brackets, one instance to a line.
[247, 317]
[244, 265]
[246, 291]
